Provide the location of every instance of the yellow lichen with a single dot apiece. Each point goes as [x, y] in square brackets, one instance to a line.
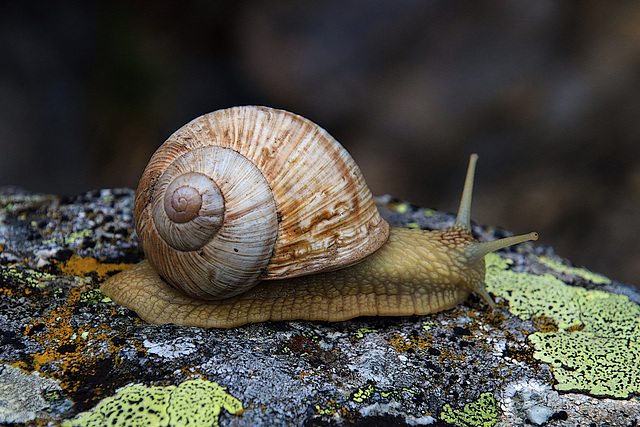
[360, 333]
[192, 403]
[481, 413]
[598, 279]
[595, 342]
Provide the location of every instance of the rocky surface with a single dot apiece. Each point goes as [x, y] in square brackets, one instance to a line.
[561, 349]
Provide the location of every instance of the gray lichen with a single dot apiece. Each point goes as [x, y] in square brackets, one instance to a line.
[25, 397]
[73, 346]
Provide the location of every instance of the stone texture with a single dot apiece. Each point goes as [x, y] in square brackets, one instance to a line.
[468, 366]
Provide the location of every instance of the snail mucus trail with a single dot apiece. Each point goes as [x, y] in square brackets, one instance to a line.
[409, 272]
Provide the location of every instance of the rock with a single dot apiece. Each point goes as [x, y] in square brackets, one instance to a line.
[539, 414]
[560, 349]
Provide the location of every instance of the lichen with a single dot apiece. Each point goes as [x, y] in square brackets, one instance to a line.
[81, 267]
[411, 342]
[177, 347]
[26, 276]
[598, 279]
[193, 402]
[330, 408]
[399, 207]
[363, 394]
[480, 413]
[595, 347]
[71, 350]
[71, 238]
[361, 333]
[23, 396]
[303, 343]
[94, 296]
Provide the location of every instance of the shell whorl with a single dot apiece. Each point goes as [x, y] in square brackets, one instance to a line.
[231, 231]
[251, 193]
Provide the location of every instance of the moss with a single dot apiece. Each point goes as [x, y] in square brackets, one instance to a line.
[194, 402]
[481, 413]
[596, 345]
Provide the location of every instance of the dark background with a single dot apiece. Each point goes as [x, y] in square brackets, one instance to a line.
[547, 92]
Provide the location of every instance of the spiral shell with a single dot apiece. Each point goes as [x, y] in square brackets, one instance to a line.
[251, 193]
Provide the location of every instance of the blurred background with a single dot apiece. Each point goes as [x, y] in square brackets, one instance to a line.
[547, 92]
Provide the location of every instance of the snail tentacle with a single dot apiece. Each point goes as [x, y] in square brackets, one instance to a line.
[414, 272]
[474, 251]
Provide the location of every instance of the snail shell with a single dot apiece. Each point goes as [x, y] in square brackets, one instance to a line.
[309, 208]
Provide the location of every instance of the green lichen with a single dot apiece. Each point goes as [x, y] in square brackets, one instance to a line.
[360, 333]
[430, 212]
[598, 279]
[364, 394]
[28, 277]
[481, 413]
[94, 296]
[324, 411]
[194, 402]
[108, 198]
[71, 238]
[597, 344]
[393, 394]
[329, 408]
[402, 208]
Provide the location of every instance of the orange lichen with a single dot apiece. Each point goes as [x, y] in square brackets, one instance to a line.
[304, 374]
[330, 408]
[82, 267]
[412, 341]
[70, 347]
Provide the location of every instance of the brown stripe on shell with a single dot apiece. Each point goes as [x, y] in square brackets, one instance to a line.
[231, 259]
[327, 218]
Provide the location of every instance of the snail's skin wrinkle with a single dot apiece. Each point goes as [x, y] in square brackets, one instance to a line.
[415, 272]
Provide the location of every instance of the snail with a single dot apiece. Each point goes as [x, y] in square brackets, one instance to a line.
[252, 214]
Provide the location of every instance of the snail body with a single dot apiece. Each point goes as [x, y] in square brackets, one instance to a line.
[251, 214]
